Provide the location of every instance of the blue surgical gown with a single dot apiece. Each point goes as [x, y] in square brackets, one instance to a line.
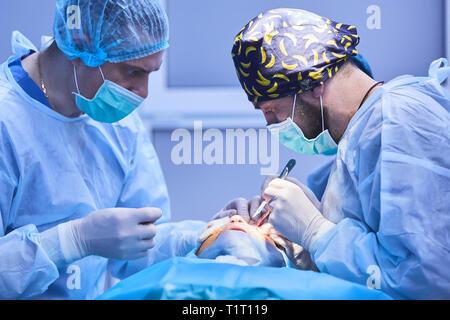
[317, 180]
[389, 192]
[54, 169]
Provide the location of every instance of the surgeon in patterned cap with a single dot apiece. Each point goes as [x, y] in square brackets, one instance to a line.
[375, 225]
[285, 53]
[293, 65]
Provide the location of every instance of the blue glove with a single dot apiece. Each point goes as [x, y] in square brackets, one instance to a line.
[118, 233]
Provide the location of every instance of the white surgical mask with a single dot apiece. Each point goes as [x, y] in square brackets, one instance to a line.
[290, 135]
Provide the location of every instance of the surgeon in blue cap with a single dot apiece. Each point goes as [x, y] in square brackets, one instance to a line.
[383, 218]
[81, 187]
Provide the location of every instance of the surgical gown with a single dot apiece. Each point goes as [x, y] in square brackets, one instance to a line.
[389, 192]
[54, 169]
[317, 180]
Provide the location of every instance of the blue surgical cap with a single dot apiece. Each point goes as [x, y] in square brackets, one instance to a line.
[362, 64]
[97, 31]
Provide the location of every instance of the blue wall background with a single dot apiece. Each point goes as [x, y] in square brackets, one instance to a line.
[411, 36]
[199, 191]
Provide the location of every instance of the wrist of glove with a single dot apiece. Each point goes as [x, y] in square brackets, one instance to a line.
[50, 243]
[72, 246]
[62, 243]
[316, 229]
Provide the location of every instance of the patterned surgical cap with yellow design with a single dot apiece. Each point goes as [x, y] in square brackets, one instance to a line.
[287, 51]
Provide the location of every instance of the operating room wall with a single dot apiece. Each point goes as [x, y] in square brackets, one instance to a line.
[32, 18]
[405, 38]
[197, 191]
[397, 37]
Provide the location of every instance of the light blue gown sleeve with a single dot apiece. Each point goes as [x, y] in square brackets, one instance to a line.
[26, 269]
[404, 192]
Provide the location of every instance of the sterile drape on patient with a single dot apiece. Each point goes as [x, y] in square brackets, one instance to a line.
[192, 278]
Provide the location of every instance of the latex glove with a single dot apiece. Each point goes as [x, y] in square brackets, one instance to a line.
[240, 206]
[294, 215]
[311, 196]
[118, 233]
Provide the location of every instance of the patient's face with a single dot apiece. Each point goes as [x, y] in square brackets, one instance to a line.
[235, 237]
[214, 228]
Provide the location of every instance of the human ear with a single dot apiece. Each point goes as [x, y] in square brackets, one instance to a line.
[318, 91]
[77, 62]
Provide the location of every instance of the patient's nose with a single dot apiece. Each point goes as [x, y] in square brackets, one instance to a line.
[236, 219]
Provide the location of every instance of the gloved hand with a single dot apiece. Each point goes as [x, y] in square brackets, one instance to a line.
[118, 233]
[240, 206]
[305, 189]
[294, 215]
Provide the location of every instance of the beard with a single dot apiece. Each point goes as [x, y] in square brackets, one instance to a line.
[308, 116]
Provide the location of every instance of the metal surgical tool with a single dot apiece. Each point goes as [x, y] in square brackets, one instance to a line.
[287, 169]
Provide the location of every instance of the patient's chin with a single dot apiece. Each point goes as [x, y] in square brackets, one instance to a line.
[245, 247]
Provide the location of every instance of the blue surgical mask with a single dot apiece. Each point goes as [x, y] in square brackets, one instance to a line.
[290, 135]
[110, 104]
